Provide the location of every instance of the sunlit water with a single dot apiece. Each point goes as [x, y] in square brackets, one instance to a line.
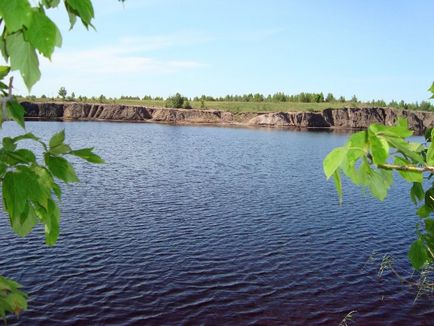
[212, 226]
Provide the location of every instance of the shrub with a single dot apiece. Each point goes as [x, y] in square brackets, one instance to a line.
[176, 101]
[187, 105]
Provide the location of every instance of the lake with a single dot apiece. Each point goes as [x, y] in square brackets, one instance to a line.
[212, 226]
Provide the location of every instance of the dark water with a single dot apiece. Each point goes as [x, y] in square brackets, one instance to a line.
[212, 226]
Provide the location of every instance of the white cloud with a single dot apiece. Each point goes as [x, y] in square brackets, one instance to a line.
[128, 55]
[158, 42]
[111, 62]
[129, 60]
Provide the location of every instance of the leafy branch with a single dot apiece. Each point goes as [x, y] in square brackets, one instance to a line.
[30, 188]
[369, 159]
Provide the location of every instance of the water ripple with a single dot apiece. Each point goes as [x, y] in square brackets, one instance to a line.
[212, 226]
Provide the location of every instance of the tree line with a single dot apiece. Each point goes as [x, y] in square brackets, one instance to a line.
[180, 101]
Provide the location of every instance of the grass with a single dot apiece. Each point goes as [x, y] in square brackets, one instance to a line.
[249, 106]
[236, 107]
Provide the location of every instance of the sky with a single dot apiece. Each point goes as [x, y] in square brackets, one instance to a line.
[375, 49]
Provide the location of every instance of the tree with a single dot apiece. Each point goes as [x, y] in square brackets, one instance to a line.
[187, 105]
[366, 161]
[319, 98]
[30, 188]
[62, 92]
[258, 97]
[330, 98]
[176, 101]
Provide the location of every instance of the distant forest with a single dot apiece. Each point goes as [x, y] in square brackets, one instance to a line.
[278, 97]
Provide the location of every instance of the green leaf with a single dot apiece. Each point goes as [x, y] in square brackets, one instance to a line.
[417, 193]
[26, 222]
[16, 112]
[15, 194]
[404, 147]
[418, 255]
[410, 176]
[428, 134]
[23, 156]
[57, 139]
[57, 191]
[28, 135]
[47, 180]
[349, 168]
[16, 301]
[21, 186]
[43, 34]
[88, 155]
[378, 147]
[4, 71]
[50, 216]
[12, 299]
[333, 160]
[3, 87]
[61, 168]
[3, 49]
[359, 140]
[3, 169]
[72, 17]
[400, 130]
[379, 183]
[83, 9]
[429, 198]
[23, 58]
[52, 225]
[60, 149]
[357, 147]
[50, 3]
[38, 191]
[8, 144]
[338, 184]
[424, 211]
[430, 155]
[416, 147]
[431, 89]
[16, 14]
[429, 226]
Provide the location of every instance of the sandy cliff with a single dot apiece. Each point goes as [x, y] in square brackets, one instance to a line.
[347, 118]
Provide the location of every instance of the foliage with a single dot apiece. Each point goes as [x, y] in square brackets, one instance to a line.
[368, 160]
[62, 92]
[330, 98]
[30, 187]
[187, 105]
[277, 102]
[176, 101]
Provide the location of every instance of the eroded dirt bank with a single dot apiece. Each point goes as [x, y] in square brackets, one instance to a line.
[346, 118]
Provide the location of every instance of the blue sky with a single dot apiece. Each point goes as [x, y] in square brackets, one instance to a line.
[371, 48]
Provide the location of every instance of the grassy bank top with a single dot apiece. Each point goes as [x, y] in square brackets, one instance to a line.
[278, 102]
[234, 107]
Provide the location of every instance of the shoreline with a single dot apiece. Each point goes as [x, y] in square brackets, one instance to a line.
[334, 120]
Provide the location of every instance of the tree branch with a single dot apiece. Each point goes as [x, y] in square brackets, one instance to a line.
[397, 167]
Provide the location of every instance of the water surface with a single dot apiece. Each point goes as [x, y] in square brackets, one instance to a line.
[212, 226]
